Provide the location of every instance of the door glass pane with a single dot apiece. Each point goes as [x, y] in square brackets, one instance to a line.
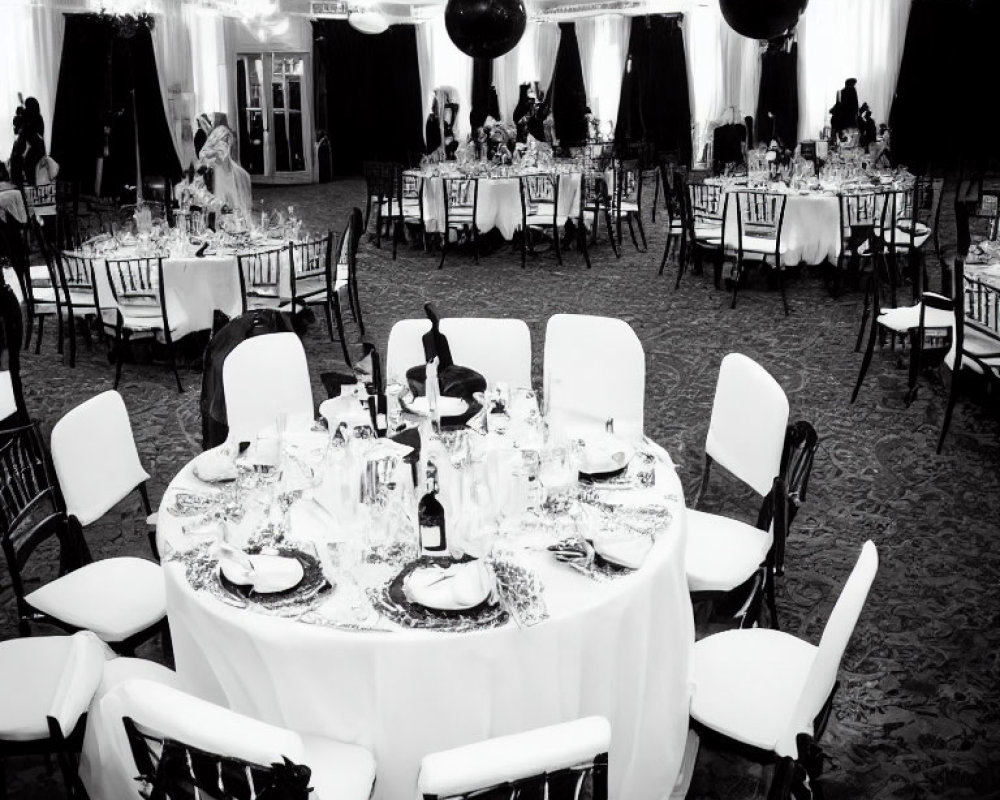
[249, 79]
[286, 89]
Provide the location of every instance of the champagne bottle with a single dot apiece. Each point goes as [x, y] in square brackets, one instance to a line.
[436, 343]
[430, 515]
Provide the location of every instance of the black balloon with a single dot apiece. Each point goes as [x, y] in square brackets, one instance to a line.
[485, 28]
[762, 19]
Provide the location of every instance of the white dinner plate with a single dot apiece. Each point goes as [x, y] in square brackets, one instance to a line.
[448, 406]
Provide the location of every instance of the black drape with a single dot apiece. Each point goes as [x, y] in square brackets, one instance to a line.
[778, 100]
[655, 105]
[942, 98]
[568, 95]
[102, 65]
[482, 82]
[368, 93]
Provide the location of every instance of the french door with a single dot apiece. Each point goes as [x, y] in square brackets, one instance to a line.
[273, 96]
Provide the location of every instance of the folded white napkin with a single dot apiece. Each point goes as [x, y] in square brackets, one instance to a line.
[215, 465]
[453, 588]
[265, 573]
[627, 552]
[605, 453]
[344, 408]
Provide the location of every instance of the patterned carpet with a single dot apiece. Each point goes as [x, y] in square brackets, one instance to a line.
[918, 711]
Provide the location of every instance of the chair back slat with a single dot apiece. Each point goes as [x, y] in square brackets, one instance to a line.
[135, 280]
[171, 769]
[705, 202]
[260, 272]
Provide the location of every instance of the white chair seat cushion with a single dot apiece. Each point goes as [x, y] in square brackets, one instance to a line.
[761, 244]
[907, 318]
[746, 683]
[83, 301]
[903, 239]
[541, 219]
[707, 232]
[339, 771]
[39, 274]
[980, 344]
[628, 207]
[34, 671]
[311, 285]
[8, 404]
[722, 553]
[115, 597]
[43, 294]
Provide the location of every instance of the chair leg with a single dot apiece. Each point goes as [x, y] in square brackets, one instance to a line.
[952, 398]
[642, 231]
[666, 252]
[557, 244]
[475, 242]
[611, 236]
[736, 280]
[656, 196]
[444, 247]
[865, 313]
[329, 317]
[173, 366]
[916, 348]
[72, 340]
[38, 341]
[144, 494]
[631, 232]
[866, 362]
[525, 233]
[581, 238]
[772, 606]
[60, 332]
[119, 352]
[338, 314]
[781, 286]
[368, 210]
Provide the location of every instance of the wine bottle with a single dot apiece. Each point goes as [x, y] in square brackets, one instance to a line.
[430, 515]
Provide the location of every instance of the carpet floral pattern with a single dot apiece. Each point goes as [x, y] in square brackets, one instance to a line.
[918, 711]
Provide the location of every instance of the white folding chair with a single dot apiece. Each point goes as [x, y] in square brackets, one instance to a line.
[48, 682]
[557, 762]
[763, 688]
[405, 348]
[159, 718]
[594, 369]
[498, 349]
[746, 436]
[106, 767]
[263, 377]
[95, 458]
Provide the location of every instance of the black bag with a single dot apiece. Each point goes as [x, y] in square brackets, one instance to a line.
[455, 381]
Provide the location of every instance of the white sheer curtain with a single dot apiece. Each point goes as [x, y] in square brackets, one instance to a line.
[172, 50]
[442, 64]
[739, 72]
[546, 47]
[841, 39]
[603, 44]
[703, 47]
[507, 77]
[31, 39]
[209, 71]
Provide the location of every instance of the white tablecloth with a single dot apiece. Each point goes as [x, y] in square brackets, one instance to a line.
[194, 289]
[12, 203]
[620, 649]
[499, 203]
[811, 229]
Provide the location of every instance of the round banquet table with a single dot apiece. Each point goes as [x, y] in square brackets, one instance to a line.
[194, 289]
[499, 201]
[811, 228]
[618, 648]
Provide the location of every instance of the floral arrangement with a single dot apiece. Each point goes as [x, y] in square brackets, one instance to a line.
[496, 139]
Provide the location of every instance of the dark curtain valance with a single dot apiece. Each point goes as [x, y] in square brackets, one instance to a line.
[778, 98]
[946, 77]
[568, 95]
[93, 122]
[655, 105]
[367, 94]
